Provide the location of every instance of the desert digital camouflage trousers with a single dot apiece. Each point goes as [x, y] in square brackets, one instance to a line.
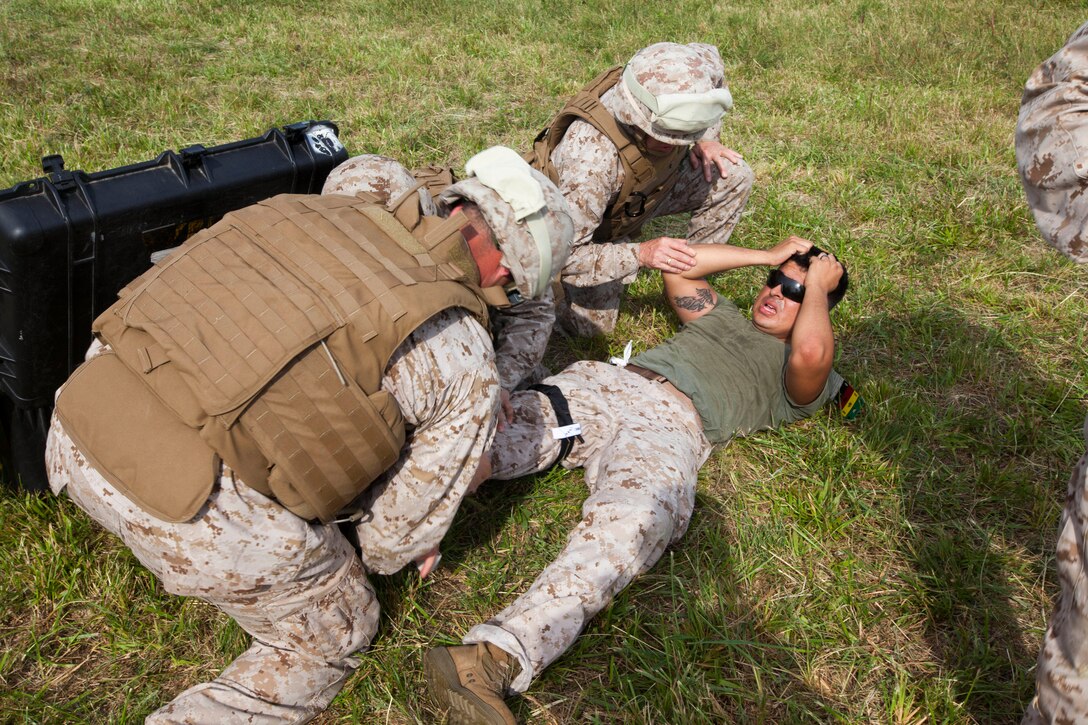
[1061, 679]
[643, 449]
[298, 588]
[591, 301]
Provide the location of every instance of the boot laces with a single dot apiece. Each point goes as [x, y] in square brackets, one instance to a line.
[499, 671]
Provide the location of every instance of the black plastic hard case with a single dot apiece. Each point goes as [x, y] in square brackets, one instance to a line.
[70, 240]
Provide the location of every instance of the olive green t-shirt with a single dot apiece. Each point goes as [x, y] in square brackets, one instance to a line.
[734, 374]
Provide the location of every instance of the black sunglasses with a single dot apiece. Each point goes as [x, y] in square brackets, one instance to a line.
[791, 288]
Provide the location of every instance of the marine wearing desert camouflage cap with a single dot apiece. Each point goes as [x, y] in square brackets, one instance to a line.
[1052, 154]
[688, 78]
[658, 119]
[526, 211]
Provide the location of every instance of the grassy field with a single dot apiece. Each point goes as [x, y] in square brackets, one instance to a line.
[895, 569]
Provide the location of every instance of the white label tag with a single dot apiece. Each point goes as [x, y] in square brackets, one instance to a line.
[322, 140]
[567, 431]
[622, 361]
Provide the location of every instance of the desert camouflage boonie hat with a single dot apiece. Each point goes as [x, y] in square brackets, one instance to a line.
[380, 175]
[527, 214]
[1052, 147]
[672, 92]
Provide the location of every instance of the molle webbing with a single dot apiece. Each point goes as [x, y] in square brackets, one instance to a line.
[647, 182]
[270, 332]
[325, 432]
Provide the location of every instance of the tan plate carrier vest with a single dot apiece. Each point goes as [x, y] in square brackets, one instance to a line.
[646, 181]
[263, 341]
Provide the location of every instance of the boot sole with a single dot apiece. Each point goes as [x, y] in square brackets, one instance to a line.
[463, 705]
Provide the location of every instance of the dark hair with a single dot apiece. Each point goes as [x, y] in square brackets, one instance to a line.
[802, 260]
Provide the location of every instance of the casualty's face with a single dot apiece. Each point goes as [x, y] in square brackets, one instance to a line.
[774, 314]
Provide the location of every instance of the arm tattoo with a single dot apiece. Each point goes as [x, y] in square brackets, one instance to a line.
[702, 299]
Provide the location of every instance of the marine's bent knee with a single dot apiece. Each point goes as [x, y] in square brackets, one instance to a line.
[740, 178]
[329, 625]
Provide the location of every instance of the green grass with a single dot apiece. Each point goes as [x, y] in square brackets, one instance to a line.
[898, 569]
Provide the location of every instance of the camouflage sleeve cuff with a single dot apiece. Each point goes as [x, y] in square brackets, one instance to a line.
[521, 337]
[632, 266]
[714, 133]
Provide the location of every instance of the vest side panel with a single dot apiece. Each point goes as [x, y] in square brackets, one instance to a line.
[135, 441]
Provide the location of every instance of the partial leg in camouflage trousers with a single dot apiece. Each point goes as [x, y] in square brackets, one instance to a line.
[642, 452]
[1061, 680]
[298, 589]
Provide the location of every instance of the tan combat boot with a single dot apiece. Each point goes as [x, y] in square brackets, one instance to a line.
[470, 682]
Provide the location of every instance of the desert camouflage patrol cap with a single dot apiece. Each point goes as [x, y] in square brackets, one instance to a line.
[672, 92]
[526, 212]
[1052, 147]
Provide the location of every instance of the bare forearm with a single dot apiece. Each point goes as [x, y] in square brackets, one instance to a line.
[689, 294]
[812, 350]
[812, 336]
[713, 258]
[812, 342]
